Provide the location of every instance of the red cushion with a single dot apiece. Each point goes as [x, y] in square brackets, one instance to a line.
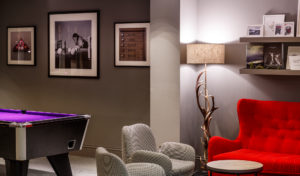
[274, 163]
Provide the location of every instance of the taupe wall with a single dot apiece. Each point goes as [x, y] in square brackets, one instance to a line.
[121, 96]
[224, 81]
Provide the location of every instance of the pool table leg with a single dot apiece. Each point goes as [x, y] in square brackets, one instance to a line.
[19, 168]
[61, 164]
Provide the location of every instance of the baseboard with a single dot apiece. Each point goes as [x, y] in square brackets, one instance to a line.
[89, 151]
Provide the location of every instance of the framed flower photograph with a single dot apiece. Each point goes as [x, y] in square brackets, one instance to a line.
[289, 29]
[285, 29]
[21, 45]
[73, 44]
[269, 23]
[132, 44]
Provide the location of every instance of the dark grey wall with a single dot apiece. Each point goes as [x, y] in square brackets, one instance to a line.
[224, 81]
[119, 97]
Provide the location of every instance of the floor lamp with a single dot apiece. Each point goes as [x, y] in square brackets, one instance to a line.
[205, 54]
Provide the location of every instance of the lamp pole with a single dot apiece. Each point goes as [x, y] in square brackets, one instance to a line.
[206, 112]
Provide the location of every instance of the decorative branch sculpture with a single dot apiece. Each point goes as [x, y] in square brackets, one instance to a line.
[207, 111]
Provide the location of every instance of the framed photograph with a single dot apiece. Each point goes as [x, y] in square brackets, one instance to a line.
[255, 56]
[285, 29]
[273, 56]
[132, 44]
[292, 51]
[289, 29]
[255, 31]
[294, 62]
[73, 44]
[21, 45]
[269, 24]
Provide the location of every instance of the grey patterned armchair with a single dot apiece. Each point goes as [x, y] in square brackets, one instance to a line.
[109, 164]
[138, 145]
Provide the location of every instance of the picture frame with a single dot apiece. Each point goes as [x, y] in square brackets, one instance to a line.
[269, 22]
[21, 45]
[255, 30]
[289, 29]
[292, 51]
[73, 44]
[285, 29]
[255, 56]
[132, 47]
[273, 56]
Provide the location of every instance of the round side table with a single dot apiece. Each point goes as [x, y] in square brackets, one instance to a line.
[238, 167]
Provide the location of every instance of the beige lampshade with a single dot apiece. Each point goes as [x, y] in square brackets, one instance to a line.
[205, 54]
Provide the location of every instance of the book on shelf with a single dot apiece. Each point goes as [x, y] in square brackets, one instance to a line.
[273, 56]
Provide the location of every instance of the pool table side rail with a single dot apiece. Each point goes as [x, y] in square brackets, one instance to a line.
[60, 117]
[35, 112]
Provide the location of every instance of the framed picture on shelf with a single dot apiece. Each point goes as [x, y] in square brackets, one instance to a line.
[21, 45]
[255, 31]
[273, 56]
[293, 54]
[289, 29]
[132, 44]
[255, 56]
[73, 44]
[285, 29]
[269, 24]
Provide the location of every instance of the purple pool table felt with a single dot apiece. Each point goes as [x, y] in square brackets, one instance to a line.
[8, 115]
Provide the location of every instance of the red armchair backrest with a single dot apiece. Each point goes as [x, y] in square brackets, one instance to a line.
[270, 126]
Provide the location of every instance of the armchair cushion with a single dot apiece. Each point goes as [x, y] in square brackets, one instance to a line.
[136, 137]
[109, 164]
[153, 157]
[147, 169]
[178, 151]
[182, 168]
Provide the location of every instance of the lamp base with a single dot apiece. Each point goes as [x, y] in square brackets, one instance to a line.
[201, 173]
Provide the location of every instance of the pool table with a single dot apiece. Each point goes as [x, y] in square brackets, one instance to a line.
[25, 135]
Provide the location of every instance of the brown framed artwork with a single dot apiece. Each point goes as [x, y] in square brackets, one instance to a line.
[132, 44]
[73, 44]
[21, 45]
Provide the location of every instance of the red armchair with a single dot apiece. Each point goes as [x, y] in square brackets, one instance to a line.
[269, 133]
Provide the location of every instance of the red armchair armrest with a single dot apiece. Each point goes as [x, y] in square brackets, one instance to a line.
[218, 145]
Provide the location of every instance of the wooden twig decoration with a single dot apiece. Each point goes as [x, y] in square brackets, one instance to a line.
[206, 111]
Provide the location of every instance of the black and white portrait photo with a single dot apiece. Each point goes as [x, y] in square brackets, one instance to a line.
[73, 40]
[21, 46]
[73, 44]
